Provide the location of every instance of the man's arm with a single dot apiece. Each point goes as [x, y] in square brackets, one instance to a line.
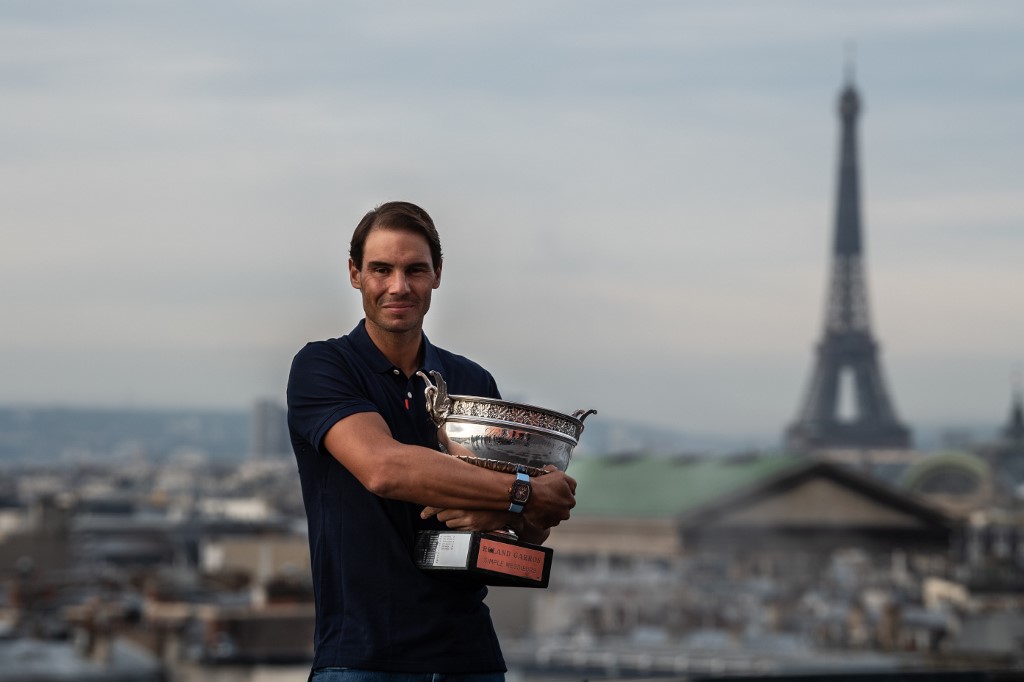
[363, 444]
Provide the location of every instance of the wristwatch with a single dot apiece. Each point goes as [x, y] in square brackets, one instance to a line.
[519, 493]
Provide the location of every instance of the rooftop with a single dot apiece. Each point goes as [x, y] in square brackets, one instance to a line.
[666, 486]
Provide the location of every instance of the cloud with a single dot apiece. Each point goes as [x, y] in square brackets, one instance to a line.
[636, 201]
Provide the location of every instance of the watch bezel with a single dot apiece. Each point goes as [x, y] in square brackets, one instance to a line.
[519, 492]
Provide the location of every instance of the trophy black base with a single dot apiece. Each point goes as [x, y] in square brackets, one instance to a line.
[496, 558]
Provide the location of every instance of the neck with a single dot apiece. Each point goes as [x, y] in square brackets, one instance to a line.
[402, 349]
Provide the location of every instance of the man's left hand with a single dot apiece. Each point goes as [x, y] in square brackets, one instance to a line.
[469, 519]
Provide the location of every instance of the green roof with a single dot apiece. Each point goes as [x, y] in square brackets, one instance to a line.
[665, 486]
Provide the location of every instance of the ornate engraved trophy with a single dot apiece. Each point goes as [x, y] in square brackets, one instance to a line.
[507, 437]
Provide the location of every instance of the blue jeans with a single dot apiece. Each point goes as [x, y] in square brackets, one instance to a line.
[352, 675]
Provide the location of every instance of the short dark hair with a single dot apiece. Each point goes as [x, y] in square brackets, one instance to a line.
[396, 215]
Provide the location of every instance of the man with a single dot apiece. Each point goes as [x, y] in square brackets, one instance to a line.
[372, 475]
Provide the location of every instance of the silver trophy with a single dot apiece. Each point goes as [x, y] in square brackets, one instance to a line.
[507, 437]
[502, 435]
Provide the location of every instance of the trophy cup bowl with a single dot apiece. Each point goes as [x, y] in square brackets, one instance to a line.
[503, 435]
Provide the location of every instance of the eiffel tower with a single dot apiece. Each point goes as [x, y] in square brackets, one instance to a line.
[847, 349]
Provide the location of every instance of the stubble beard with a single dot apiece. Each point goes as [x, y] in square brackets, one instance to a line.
[406, 324]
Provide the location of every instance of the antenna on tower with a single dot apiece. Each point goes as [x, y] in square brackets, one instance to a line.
[851, 59]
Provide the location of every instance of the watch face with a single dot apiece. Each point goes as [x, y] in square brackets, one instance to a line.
[520, 492]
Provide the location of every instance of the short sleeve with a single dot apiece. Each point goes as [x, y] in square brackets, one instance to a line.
[323, 389]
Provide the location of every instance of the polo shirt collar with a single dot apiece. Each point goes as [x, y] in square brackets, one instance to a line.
[381, 365]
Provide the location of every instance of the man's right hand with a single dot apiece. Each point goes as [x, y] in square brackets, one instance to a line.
[552, 497]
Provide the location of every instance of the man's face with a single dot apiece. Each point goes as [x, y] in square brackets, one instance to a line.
[396, 279]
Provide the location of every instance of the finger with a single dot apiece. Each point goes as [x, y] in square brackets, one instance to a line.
[430, 511]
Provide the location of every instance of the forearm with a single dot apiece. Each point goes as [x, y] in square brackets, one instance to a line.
[430, 478]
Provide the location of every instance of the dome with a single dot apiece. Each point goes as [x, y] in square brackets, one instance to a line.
[950, 475]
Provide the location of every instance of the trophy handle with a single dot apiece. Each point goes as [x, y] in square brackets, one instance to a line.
[581, 415]
[438, 402]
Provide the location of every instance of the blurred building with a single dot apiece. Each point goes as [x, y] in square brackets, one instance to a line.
[959, 482]
[746, 508]
[113, 660]
[269, 430]
[35, 536]
[755, 565]
[888, 465]
[140, 570]
[1005, 455]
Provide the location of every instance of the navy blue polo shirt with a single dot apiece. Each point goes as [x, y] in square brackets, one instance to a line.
[375, 609]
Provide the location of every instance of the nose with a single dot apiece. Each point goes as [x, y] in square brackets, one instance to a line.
[398, 284]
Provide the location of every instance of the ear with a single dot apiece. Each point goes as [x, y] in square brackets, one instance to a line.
[353, 275]
[437, 275]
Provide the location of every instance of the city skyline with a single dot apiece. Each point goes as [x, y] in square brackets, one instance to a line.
[636, 203]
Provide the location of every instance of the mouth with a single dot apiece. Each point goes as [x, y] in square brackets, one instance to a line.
[399, 307]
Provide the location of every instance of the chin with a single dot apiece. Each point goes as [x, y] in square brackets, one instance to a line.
[399, 326]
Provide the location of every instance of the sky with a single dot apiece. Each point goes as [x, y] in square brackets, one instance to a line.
[635, 199]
